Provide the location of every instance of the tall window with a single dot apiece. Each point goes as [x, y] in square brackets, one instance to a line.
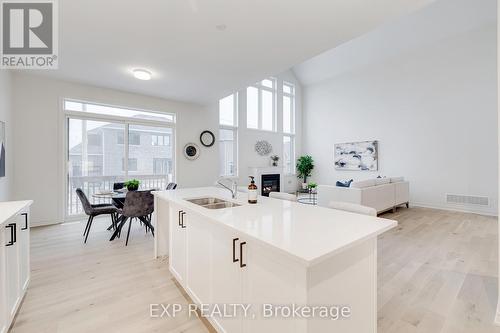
[105, 145]
[289, 127]
[228, 136]
[261, 105]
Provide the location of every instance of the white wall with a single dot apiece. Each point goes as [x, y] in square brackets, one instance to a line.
[6, 116]
[433, 110]
[38, 139]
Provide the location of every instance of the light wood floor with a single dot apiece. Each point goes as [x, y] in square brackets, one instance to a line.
[437, 273]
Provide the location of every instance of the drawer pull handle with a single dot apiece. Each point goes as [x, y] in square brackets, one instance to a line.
[25, 221]
[12, 227]
[179, 219]
[182, 220]
[241, 255]
[234, 250]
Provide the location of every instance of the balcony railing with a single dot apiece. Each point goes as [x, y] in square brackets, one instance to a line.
[95, 184]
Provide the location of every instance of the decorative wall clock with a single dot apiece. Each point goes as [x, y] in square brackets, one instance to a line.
[191, 151]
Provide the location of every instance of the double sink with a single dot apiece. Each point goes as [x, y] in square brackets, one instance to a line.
[213, 203]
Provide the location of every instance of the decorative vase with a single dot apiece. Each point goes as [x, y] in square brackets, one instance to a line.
[132, 188]
[275, 163]
[304, 186]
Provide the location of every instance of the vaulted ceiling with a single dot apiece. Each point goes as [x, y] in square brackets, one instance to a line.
[201, 50]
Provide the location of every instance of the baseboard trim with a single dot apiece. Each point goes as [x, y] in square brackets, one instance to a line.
[453, 209]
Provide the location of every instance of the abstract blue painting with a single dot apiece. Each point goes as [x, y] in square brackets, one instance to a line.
[356, 156]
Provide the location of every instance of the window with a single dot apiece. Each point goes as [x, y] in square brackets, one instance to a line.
[103, 148]
[106, 110]
[289, 154]
[94, 139]
[228, 136]
[261, 105]
[132, 164]
[288, 108]
[134, 139]
[289, 127]
[161, 166]
[160, 140]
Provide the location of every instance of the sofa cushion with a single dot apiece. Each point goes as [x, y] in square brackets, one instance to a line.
[346, 183]
[380, 181]
[397, 179]
[363, 183]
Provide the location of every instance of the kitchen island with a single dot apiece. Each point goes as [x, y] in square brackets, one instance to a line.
[274, 256]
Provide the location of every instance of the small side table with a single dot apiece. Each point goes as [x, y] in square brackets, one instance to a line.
[310, 199]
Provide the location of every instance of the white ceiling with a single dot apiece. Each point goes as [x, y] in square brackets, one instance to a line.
[191, 60]
[439, 20]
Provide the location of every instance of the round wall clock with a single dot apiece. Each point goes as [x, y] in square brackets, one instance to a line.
[207, 138]
[191, 151]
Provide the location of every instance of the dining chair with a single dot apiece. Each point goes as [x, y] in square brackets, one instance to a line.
[353, 208]
[171, 186]
[283, 196]
[118, 186]
[95, 210]
[140, 205]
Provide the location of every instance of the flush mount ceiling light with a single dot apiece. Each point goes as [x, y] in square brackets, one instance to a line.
[221, 27]
[142, 74]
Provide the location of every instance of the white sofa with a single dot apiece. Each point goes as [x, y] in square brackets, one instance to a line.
[380, 193]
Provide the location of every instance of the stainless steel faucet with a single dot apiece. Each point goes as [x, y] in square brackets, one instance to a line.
[233, 188]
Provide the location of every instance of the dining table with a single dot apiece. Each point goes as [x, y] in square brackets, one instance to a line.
[118, 197]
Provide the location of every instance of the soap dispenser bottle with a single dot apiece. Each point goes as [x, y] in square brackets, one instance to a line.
[252, 191]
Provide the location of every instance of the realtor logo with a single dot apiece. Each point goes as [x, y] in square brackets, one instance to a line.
[29, 34]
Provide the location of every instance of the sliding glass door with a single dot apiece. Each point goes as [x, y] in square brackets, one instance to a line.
[101, 153]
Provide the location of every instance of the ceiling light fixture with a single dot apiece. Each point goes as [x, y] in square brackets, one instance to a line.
[221, 27]
[142, 74]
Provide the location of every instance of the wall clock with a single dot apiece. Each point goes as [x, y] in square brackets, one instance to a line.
[207, 138]
[191, 151]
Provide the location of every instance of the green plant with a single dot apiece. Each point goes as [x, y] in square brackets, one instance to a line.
[132, 184]
[305, 165]
[312, 185]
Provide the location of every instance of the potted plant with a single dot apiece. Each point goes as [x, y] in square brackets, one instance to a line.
[275, 159]
[312, 185]
[305, 165]
[132, 185]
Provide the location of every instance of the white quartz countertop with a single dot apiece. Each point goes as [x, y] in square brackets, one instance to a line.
[9, 209]
[308, 233]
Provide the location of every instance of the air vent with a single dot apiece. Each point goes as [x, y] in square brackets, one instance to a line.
[467, 200]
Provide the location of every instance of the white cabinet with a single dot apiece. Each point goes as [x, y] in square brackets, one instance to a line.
[217, 266]
[23, 240]
[269, 279]
[226, 275]
[12, 283]
[178, 249]
[14, 263]
[198, 257]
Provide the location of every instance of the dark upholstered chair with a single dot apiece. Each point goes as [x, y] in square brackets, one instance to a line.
[171, 186]
[95, 210]
[140, 205]
[118, 186]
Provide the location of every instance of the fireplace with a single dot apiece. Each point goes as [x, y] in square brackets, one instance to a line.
[270, 183]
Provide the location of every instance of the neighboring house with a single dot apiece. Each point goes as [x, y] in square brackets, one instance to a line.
[150, 152]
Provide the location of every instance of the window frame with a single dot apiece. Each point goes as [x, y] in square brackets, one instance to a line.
[65, 115]
[234, 129]
[293, 170]
[260, 119]
[292, 97]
